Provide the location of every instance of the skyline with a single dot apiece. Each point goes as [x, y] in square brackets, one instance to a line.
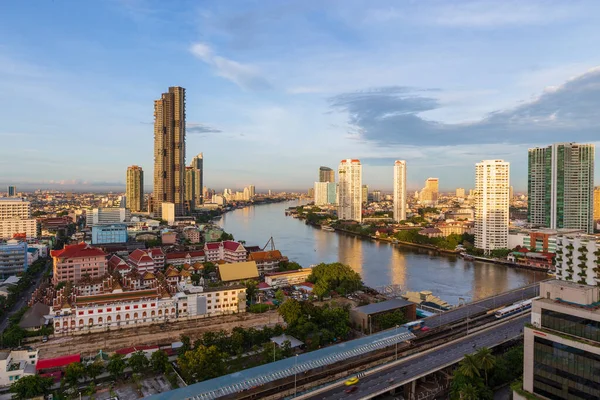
[461, 78]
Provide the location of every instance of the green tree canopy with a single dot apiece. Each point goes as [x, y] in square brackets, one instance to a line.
[31, 386]
[116, 365]
[202, 363]
[94, 369]
[159, 360]
[138, 362]
[290, 311]
[334, 276]
[74, 373]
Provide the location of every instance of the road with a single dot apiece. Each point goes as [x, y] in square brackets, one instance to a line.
[487, 304]
[415, 367]
[22, 302]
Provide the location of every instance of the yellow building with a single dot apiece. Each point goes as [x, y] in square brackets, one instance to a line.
[597, 203]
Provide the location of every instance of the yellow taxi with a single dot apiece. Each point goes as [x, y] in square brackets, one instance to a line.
[351, 381]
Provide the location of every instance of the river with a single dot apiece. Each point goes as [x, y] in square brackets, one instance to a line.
[380, 264]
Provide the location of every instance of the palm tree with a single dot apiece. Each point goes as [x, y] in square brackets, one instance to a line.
[469, 366]
[469, 392]
[486, 360]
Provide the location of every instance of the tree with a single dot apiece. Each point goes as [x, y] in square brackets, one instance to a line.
[469, 392]
[31, 386]
[12, 336]
[138, 362]
[251, 289]
[389, 319]
[486, 360]
[116, 365]
[208, 269]
[94, 369]
[74, 373]
[334, 276]
[202, 363]
[469, 366]
[290, 311]
[159, 360]
[226, 236]
[279, 295]
[288, 266]
[186, 344]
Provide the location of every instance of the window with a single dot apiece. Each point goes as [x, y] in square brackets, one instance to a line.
[90, 311]
[127, 307]
[144, 305]
[100, 310]
[136, 306]
[80, 313]
[109, 310]
[118, 308]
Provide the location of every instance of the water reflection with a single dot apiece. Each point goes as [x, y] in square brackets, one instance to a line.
[380, 264]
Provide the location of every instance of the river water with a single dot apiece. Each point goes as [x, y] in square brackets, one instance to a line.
[380, 264]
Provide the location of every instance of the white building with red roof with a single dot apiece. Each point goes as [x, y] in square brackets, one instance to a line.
[228, 251]
[158, 255]
[72, 262]
[140, 260]
[185, 257]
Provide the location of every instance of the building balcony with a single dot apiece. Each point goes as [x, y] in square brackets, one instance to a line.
[582, 249]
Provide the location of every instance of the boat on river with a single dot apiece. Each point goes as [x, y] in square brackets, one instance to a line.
[327, 228]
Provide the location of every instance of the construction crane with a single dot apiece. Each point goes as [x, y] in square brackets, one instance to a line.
[272, 242]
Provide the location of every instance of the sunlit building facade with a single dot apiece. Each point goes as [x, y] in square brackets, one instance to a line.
[492, 182]
[350, 190]
[399, 190]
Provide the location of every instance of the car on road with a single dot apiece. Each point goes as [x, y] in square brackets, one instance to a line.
[351, 381]
[44, 339]
[351, 389]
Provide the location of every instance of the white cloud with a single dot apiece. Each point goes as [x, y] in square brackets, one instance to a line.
[245, 76]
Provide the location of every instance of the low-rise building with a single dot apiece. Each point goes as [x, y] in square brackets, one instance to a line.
[185, 257]
[168, 238]
[192, 234]
[72, 262]
[141, 260]
[106, 234]
[279, 279]
[267, 261]
[35, 317]
[16, 364]
[363, 317]
[562, 344]
[13, 258]
[158, 256]
[228, 251]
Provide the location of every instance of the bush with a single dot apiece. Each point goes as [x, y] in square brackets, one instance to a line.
[258, 308]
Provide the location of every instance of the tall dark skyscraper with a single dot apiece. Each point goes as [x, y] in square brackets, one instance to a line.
[198, 166]
[169, 150]
[326, 174]
[12, 191]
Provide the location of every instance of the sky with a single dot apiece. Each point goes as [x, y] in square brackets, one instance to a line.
[276, 89]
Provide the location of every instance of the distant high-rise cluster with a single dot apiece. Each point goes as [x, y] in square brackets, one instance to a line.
[169, 151]
[326, 174]
[460, 193]
[561, 186]
[350, 190]
[134, 191]
[399, 190]
[492, 182]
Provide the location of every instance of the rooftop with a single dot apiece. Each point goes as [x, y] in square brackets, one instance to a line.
[238, 271]
[383, 306]
[78, 250]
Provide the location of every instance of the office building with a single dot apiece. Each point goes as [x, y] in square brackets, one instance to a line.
[561, 186]
[13, 258]
[399, 190]
[168, 213]
[198, 183]
[72, 262]
[562, 344]
[190, 189]
[15, 218]
[12, 191]
[104, 216]
[376, 195]
[350, 190]
[326, 174]
[169, 150]
[134, 191]
[252, 191]
[107, 234]
[578, 258]
[429, 194]
[597, 203]
[460, 193]
[320, 193]
[365, 194]
[491, 205]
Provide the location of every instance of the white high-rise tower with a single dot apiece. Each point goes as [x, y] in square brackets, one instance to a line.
[350, 190]
[399, 190]
[492, 185]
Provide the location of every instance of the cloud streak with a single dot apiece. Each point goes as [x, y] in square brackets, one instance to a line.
[197, 128]
[245, 76]
[392, 115]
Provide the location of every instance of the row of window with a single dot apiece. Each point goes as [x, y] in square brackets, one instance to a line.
[571, 324]
[109, 309]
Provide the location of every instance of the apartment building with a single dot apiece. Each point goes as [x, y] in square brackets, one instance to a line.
[16, 364]
[72, 262]
[228, 251]
[562, 344]
[267, 261]
[578, 258]
[492, 179]
[13, 258]
[350, 190]
[15, 218]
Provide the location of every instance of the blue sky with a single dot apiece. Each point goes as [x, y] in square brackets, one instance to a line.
[277, 88]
